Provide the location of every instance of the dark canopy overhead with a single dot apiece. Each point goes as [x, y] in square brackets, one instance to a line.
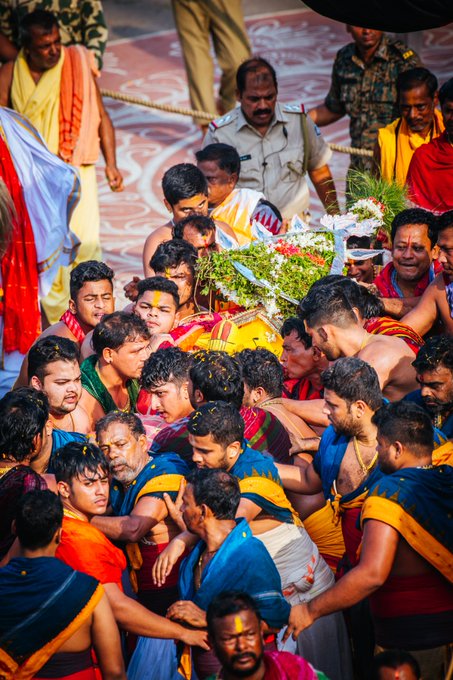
[399, 16]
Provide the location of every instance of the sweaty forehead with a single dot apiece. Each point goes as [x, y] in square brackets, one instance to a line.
[414, 232]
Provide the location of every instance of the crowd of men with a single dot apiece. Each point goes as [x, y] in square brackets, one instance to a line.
[169, 510]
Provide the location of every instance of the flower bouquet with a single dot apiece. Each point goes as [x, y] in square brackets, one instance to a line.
[275, 273]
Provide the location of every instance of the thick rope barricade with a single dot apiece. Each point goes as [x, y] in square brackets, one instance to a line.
[168, 108]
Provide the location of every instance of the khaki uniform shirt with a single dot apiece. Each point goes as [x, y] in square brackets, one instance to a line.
[273, 164]
[367, 92]
[81, 21]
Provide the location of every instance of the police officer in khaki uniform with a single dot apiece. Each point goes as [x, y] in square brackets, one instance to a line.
[278, 145]
[223, 20]
[363, 86]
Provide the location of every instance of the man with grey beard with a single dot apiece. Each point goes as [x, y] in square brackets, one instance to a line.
[137, 499]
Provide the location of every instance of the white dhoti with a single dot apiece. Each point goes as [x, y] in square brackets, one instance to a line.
[304, 575]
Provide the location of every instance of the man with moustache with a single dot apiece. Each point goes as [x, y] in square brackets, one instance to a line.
[430, 175]
[406, 547]
[53, 368]
[436, 302]
[404, 280]
[434, 366]
[364, 87]
[420, 121]
[82, 475]
[140, 484]
[278, 145]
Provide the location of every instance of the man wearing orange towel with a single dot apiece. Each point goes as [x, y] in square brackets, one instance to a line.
[55, 88]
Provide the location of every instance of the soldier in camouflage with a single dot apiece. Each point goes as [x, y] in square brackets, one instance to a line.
[363, 86]
[81, 22]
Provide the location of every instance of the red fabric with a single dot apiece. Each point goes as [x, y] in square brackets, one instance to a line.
[428, 593]
[385, 325]
[150, 553]
[19, 303]
[71, 322]
[430, 175]
[351, 534]
[286, 666]
[383, 281]
[86, 549]
[87, 674]
[301, 390]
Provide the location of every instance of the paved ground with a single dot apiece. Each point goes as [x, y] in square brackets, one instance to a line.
[131, 18]
[144, 59]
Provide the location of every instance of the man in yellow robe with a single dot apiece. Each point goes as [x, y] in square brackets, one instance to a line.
[55, 88]
[420, 122]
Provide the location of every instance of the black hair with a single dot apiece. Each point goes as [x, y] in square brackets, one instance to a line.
[220, 420]
[370, 305]
[358, 242]
[39, 18]
[446, 92]
[76, 459]
[261, 368]
[297, 325]
[445, 221]
[202, 223]
[416, 216]
[407, 423]
[437, 351]
[182, 181]
[171, 254]
[416, 77]
[159, 283]
[117, 328]
[170, 364]
[91, 270]
[217, 489]
[227, 603]
[132, 421]
[23, 415]
[218, 377]
[253, 65]
[328, 304]
[48, 350]
[393, 658]
[226, 157]
[352, 380]
[39, 515]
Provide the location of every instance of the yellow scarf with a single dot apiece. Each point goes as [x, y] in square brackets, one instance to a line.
[397, 144]
[39, 102]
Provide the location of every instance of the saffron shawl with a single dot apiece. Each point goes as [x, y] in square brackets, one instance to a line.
[44, 602]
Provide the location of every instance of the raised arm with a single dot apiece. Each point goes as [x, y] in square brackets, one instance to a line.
[148, 512]
[304, 480]
[424, 315]
[310, 410]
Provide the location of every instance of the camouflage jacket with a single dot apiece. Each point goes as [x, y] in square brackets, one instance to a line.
[367, 92]
[81, 21]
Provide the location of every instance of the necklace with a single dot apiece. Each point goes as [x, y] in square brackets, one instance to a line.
[125, 408]
[199, 567]
[73, 515]
[59, 428]
[365, 468]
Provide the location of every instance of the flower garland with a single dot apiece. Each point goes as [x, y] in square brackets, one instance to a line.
[268, 272]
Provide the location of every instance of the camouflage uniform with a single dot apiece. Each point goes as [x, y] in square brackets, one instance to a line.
[367, 92]
[81, 21]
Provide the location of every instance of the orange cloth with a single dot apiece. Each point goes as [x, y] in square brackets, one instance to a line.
[84, 548]
[79, 116]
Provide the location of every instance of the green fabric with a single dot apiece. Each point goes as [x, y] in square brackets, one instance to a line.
[94, 386]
